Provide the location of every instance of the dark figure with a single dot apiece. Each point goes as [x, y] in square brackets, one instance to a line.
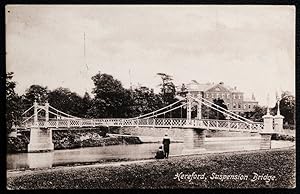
[166, 142]
[160, 153]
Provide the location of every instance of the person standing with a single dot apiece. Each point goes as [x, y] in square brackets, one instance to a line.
[166, 142]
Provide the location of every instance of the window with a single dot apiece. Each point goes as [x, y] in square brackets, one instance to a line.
[245, 106]
[217, 95]
[228, 105]
[228, 95]
[233, 96]
[239, 96]
[223, 95]
[249, 106]
[234, 106]
[207, 95]
[239, 106]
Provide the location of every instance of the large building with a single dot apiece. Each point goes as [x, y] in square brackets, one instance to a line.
[233, 98]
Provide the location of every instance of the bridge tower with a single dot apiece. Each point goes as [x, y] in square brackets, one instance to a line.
[267, 132]
[40, 139]
[193, 138]
[189, 109]
[199, 107]
[278, 119]
[46, 113]
[35, 117]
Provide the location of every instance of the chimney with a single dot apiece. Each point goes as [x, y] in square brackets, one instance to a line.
[253, 97]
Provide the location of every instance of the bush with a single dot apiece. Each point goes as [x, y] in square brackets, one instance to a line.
[282, 137]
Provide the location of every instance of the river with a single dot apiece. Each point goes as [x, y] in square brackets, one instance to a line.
[131, 152]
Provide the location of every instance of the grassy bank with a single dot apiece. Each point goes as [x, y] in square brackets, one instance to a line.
[162, 173]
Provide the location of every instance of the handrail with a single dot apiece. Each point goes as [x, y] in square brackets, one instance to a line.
[159, 122]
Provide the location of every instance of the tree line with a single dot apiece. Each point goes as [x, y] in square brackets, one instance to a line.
[111, 100]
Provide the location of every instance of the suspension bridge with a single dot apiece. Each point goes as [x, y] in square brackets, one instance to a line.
[46, 118]
[64, 121]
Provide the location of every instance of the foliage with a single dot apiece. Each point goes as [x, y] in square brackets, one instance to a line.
[86, 104]
[111, 99]
[13, 103]
[144, 100]
[69, 102]
[160, 174]
[257, 114]
[215, 114]
[35, 92]
[167, 88]
[287, 107]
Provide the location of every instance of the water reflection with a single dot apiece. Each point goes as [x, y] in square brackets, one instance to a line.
[40, 160]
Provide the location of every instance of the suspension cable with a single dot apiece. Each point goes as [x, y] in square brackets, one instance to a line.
[31, 116]
[180, 112]
[63, 112]
[165, 111]
[62, 116]
[27, 110]
[158, 109]
[225, 113]
[221, 108]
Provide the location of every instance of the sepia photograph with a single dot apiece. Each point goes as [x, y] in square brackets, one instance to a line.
[150, 96]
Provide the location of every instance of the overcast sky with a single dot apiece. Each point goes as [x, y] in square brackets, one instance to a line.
[251, 47]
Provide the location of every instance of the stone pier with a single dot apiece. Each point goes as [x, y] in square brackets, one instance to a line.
[40, 140]
[267, 132]
[194, 140]
[278, 123]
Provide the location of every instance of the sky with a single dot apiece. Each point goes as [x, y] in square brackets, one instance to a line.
[250, 47]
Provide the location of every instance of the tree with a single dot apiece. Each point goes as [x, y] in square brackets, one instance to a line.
[287, 107]
[167, 88]
[35, 92]
[257, 114]
[68, 102]
[182, 90]
[13, 103]
[215, 114]
[144, 100]
[87, 100]
[220, 103]
[111, 99]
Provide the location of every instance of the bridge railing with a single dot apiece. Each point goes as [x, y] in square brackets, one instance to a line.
[231, 125]
[151, 122]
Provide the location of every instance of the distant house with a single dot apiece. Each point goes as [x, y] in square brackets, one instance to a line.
[233, 98]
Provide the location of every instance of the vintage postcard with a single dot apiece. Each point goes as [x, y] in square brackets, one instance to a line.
[150, 96]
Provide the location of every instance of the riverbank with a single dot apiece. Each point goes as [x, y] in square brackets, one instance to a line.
[69, 139]
[169, 173]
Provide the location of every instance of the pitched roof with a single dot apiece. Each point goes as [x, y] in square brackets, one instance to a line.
[195, 86]
[199, 87]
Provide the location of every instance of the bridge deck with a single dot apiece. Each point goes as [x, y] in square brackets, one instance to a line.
[228, 125]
